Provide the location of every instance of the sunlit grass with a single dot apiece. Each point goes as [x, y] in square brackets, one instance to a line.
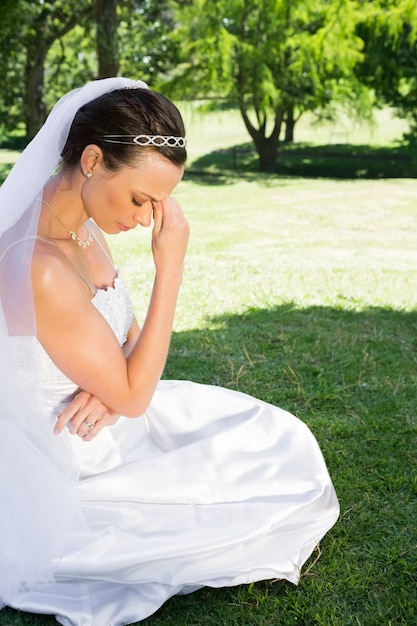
[8, 156]
[345, 244]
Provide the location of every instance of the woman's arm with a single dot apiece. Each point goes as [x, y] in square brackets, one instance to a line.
[78, 338]
[85, 407]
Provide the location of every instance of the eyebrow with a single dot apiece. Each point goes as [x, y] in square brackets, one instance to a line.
[142, 193]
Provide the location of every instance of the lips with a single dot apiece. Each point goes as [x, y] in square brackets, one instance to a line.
[122, 227]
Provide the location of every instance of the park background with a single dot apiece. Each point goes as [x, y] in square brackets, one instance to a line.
[300, 284]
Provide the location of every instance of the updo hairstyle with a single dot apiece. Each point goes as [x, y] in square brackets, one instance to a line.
[124, 112]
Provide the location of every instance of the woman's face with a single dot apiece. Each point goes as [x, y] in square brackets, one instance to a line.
[119, 201]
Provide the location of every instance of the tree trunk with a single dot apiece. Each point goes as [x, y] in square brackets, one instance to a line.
[35, 110]
[289, 124]
[266, 147]
[107, 44]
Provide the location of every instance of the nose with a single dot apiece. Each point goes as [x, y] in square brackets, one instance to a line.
[143, 214]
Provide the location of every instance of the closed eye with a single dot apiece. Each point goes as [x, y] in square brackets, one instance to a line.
[136, 203]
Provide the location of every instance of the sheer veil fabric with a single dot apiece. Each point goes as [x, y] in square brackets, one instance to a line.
[35, 466]
[208, 487]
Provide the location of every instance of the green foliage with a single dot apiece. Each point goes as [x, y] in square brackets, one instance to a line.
[148, 50]
[12, 62]
[27, 31]
[275, 59]
[271, 57]
[56, 40]
[71, 62]
[389, 66]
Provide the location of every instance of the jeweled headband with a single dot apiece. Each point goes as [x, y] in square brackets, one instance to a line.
[148, 140]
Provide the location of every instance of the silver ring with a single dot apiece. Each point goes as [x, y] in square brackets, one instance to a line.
[89, 425]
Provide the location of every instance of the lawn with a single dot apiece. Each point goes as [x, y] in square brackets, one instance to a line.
[303, 291]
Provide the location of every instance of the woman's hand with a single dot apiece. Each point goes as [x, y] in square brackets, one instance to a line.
[86, 417]
[170, 235]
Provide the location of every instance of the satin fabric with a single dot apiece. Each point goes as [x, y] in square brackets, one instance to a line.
[210, 487]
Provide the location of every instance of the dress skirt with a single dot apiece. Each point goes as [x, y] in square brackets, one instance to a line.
[211, 487]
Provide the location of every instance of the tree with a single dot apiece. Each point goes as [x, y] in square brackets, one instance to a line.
[389, 65]
[31, 28]
[50, 46]
[149, 50]
[274, 58]
[71, 61]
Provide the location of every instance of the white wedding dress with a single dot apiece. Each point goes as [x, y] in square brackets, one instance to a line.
[210, 487]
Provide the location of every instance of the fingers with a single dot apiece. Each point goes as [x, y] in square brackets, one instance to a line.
[91, 411]
[87, 432]
[69, 412]
[168, 214]
[170, 234]
[109, 418]
[157, 217]
[85, 416]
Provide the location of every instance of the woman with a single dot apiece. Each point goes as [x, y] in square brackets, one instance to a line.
[106, 517]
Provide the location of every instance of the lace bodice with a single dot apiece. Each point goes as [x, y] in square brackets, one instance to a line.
[115, 306]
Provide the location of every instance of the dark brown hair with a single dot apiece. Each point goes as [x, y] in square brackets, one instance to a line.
[124, 112]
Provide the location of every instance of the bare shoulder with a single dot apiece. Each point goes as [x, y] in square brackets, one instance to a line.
[53, 272]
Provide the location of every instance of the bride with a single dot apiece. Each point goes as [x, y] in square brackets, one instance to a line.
[120, 490]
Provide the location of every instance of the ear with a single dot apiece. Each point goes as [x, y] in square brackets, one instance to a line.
[90, 157]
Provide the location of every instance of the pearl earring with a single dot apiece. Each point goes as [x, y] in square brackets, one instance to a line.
[89, 174]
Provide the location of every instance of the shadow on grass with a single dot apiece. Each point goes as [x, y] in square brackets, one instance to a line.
[313, 360]
[352, 377]
[339, 161]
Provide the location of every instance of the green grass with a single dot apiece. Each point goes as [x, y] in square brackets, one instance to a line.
[303, 293]
[344, 148]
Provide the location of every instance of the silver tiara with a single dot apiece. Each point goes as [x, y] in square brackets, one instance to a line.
[148, 140]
